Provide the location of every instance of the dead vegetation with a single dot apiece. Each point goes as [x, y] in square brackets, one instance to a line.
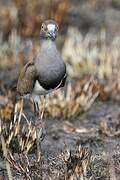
[87, 150]
[78, 96]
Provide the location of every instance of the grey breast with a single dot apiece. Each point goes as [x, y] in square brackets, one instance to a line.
[50, 68]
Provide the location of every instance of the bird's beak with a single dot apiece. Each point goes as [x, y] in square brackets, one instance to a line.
[52, 34]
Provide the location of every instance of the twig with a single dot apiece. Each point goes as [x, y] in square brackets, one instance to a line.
[110, 161]
[18, 166]
[5, 155]
[15, 112]
[21, 110]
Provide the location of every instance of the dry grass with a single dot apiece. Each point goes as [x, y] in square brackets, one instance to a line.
[91, 54]
[94, 68]
[78, 98]
[77, 163]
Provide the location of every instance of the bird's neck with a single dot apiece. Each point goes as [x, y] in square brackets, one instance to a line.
[48, 45]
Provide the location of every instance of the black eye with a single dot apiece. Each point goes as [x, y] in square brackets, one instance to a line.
[57, 27]
[42, 26]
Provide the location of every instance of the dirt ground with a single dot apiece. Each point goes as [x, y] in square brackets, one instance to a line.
[58, 132]
[88, 130]
[84, 130]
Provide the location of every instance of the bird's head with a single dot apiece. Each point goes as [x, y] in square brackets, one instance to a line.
[49, 30]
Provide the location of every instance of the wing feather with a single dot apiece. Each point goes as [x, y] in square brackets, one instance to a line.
[26, 79]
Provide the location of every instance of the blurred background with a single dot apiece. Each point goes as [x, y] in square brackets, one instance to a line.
[89, 42]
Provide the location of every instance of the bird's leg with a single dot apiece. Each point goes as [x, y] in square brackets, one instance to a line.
[36, 111]
[43, 108]
[36, 108]
[39, 124]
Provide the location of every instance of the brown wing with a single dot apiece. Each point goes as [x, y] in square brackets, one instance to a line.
[26, 79]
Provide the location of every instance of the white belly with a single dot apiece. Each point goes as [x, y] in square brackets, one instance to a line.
[39, 90]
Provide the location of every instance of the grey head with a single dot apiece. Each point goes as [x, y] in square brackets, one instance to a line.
[49, 30]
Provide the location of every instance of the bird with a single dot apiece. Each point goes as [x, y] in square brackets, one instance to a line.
[46, 72]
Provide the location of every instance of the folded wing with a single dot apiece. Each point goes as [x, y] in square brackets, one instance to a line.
[26, 79]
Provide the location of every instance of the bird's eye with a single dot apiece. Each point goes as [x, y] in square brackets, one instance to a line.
[57, 27]
[42, 27]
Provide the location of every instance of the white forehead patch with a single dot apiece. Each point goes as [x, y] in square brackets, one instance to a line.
[51, 27]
